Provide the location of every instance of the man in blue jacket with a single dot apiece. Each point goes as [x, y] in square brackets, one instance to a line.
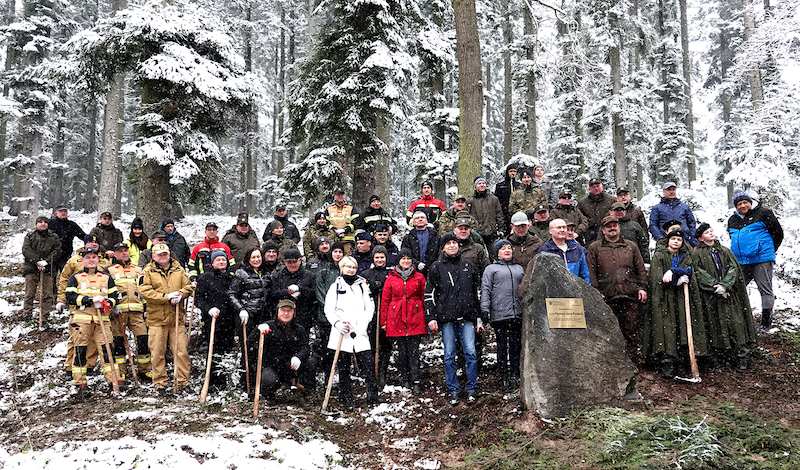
[671, 207]
[570, 251]
[756, 235]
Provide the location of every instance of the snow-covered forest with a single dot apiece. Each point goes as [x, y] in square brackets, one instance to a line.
[217, 107]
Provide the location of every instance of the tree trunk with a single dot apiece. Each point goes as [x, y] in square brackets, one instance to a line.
[687, 90]
[617, 128]
[56, 189]
[113, 128]
[508, 111]
[754, 77]
[249, 136]
[382, 182]
[279, 96]
[153, 200]
[88, 195]
[8, 18]
[363, 172]
[488, 98]
[470, 93]
[531, 95]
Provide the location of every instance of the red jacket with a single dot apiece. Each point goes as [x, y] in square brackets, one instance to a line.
[403, 305]
[200, 259]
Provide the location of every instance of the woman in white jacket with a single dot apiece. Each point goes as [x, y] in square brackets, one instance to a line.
[349, 309]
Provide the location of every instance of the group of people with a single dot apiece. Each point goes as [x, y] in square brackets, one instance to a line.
[456, 270]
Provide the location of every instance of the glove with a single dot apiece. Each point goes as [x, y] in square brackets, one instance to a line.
[42, 264]
[106, 306]
[343, 327]
[244, 316]
[720, 289]
[97, 299]
[264, 328]
[479, 325]
[339, 231]
[197, 311]
[60, 307]
[667, 276]
[377, 285]
[174, 297]
[296, 295]
[430, 225]
[420, 266]
[295, 363]
[117, 310]
[293, 288]
[683, 280]
[214, 312]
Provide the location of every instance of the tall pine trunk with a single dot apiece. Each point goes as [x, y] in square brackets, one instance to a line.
[531, 95]
[687, 89]
[470, 93]
[508, 72]
[113, 128]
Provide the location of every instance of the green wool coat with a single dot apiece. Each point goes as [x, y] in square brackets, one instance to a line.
[729, 322]
[664, 324]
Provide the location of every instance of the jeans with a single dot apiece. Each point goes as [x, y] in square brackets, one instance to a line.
[466, 333]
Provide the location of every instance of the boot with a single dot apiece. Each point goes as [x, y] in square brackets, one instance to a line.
[766, 320]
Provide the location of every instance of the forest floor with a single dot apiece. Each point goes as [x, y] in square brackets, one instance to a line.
[729, 420]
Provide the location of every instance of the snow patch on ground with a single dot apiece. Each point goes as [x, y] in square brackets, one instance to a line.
[252, 447]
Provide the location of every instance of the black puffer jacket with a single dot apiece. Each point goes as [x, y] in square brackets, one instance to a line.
[212, 291]
[250, 291]
[451, 293]
[306, 303]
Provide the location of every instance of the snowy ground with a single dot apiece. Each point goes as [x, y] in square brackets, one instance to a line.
[142, 431]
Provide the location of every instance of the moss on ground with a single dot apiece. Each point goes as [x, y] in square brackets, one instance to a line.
[704, 435]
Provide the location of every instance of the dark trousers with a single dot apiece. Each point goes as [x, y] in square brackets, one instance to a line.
[324, 355]
[509, 344]
[629, 315]
[385, 347]
[223, 344]
[408, 359]
[273, 377]
[367, 366]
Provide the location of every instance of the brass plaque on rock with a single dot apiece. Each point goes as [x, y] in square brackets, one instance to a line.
[565, 313]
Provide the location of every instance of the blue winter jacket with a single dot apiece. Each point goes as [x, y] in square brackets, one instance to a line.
[575, 257]
[672, 209]
[755, 236]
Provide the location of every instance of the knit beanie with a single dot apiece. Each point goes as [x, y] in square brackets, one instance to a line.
[741, 196]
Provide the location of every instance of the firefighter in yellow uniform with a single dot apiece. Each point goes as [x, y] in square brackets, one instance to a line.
[94, 295]
[75, 264]
[130, 313]
[341, 216]
[163, 285]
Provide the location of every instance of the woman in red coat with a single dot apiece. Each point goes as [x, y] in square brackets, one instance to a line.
[403, 316]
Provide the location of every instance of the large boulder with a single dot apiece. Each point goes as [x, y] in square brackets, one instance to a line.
[568, 369]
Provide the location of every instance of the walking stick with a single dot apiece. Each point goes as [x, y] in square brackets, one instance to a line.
[115, 384]
[204, 393]
[333, 370]
[377, 335]
[258, 375]
[692, 359]
[175, 351]
[128, 349]
[246, 360]
[190, 314]
[41, 295]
